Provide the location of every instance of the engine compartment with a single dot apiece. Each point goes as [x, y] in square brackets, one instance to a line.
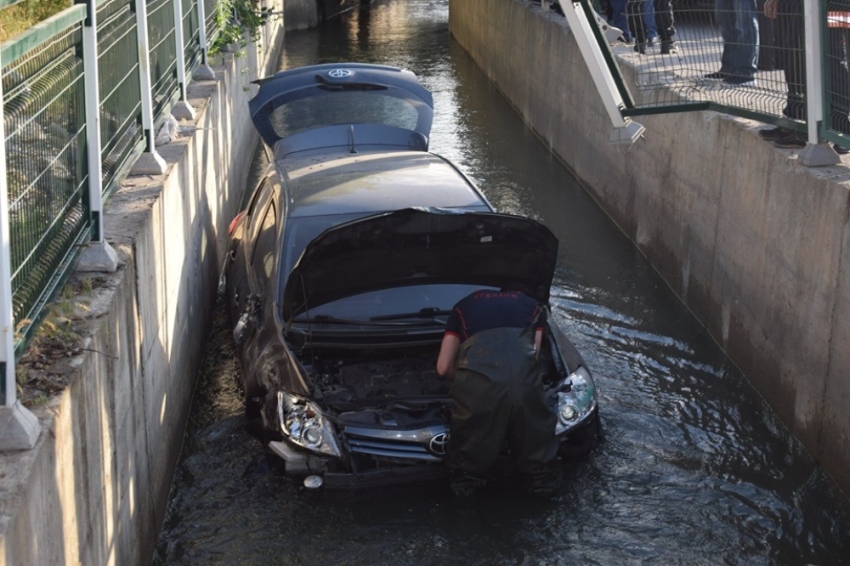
[368, 381]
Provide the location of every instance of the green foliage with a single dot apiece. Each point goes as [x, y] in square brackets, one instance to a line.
[238, 22]
[19, 17]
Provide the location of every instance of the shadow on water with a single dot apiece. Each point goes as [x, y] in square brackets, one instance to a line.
[695, 468]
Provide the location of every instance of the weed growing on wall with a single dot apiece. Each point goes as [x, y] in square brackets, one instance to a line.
[238, 22]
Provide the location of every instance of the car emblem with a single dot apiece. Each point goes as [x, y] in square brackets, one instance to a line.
[439, 443]
[339, 73]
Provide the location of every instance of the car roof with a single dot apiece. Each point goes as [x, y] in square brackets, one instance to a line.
[320, 183]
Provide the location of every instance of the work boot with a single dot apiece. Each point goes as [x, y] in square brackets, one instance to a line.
[464, 484]
[795, 140]
[776, 133]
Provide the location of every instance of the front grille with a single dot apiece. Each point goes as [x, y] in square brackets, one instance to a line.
[393, 444]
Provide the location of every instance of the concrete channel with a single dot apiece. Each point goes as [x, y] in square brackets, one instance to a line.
[753, 242]
[756, 244]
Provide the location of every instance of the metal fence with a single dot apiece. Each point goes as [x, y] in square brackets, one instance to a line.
[47, 170]
[119, 87]
[782, 62]
[119, 63]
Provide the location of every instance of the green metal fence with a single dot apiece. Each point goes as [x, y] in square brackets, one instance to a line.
[47, 173]
[120, 101]
[56, 78]
[191, 33]
[163, 55]
[836, 47]
[211, 8]
[742, 57]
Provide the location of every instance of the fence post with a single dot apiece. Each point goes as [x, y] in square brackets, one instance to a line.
[98, 255]
[182, 109]
[19, 428]
[625, 131]
[815, 154]
[203, 72]
[150, 162]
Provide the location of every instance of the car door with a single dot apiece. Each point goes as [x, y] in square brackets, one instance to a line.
[253, 259]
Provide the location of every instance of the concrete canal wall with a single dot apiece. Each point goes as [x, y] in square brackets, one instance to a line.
[757, 245]
[95, 487]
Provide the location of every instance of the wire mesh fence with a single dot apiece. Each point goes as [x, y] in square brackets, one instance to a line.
[120, 99]
[163, 54]
[836, 71]
[47, 172]
[46, 141]
[191, 33]
[744, 57]
[211, 8]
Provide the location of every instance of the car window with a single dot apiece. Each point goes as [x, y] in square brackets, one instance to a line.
[262, 261]
[324, 108]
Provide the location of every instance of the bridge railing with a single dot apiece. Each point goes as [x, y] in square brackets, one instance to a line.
[122, 64]
[781, 62]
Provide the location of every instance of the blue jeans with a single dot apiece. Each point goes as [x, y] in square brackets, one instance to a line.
[618, 18]
[738, 21]
[649, 19]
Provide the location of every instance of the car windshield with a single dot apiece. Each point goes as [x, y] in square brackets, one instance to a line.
[397, 306]
[330, 107]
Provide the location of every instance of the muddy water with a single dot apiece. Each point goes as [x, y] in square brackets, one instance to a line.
[694, 468]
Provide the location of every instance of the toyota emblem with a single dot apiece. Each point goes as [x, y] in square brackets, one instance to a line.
[439, 443]
[339, 73]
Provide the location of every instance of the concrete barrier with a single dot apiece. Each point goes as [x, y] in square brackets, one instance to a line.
[95, 487]
[757, 245]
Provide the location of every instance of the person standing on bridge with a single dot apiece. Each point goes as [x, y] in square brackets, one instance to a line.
[635, 9]
[738, 21]
[489, 350]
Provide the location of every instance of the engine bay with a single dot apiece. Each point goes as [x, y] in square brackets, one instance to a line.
[410, 380]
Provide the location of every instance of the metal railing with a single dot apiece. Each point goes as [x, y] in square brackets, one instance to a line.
[92, 63]
[47, 169]
[782, 62]
[119, 86]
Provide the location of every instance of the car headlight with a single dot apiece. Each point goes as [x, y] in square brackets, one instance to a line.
[302, 423]
[576, 400]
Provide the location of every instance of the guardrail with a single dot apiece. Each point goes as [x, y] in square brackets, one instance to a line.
[782, 62]
[120, 64]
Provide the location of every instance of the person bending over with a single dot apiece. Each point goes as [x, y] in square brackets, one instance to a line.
[489, 350]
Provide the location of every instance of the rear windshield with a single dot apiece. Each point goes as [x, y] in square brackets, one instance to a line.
[331, 107]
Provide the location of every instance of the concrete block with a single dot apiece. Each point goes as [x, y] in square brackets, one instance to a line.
[19, 428]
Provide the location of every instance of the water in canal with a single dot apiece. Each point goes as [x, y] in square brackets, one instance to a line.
[694, 468]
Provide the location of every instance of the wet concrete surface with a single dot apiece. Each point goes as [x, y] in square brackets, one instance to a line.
[694, 468]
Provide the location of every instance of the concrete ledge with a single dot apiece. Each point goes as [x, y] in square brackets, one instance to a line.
[95, 487]
[757, 245]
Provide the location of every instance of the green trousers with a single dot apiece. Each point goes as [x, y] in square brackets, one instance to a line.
[499, 402]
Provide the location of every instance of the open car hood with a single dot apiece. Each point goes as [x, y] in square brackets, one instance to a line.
[418, 246]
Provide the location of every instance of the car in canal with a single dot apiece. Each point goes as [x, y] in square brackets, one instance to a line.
[343, 267]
